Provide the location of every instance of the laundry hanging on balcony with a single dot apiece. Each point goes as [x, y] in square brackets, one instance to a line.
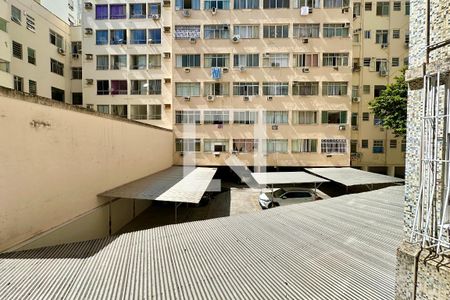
[216, 73]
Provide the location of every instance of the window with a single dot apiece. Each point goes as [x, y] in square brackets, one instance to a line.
[56, 67]
[407, 38]
[397, 6]
[335, 3]
[304, 117]
[382, 37]
[187, 145]
[275, 31]
[366, 61]
[138, 62]
[309, 3]
[118, 37]
[103, 109]
[76, 48]
[353, 146]
[118, 62]
[302, 60]
[154, 9]
[393, 144]
[356, 38]
[217, 88]
[187, 4]
[216, 117]
[245, 88]
[119, 87]
[304, 145]
[367, 34]
[215, 145]
[368, 6]
[356, 9]
[306, 30]
[365, 144]
[354, 119]
[275, 145]
[355, 91]
[138, 112]
[245, 145]
[18, 83]
[138, 87]
[377, 121]
[275, 117]
[102, 87]
[212, 32]
[154, 61]
[275, 88]
[382, 8]
[276, 60]
[335, 59]
[365, 116]
[32, 87]
[101, 11]
[77, 73]
[395, 61]
[334, 117]
[77, 99]
[185, 32]
[333, 146]
[56, 39]
[117, 11]
[101, 37]
[245, 117]
[187, 89]
[218, 4]
[396, 34]
[102, 62]
[334, 88]
[366, 89]
[154, 36]
[119, 110]
[246, 60]
[188, 61]
[378, 146]
[407, 8]
[246, 4]
[154, 112]
[334, 30]
[138, 10]
[378, 89]
[275, 4]
[187, 117]
[246, 31]
[138, 36]
[217, 60]
[406, 61]
[57, 94]
[31, 25]
[300, 88]
[31, 56]
[16, 14]
[17, 50]
[403, 146]
[3, 25]
[154, 87]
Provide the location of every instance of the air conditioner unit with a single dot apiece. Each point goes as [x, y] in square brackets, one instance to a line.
[336, 68]
[61, 51]
[356, 99]
[225, 70]
[88, 5]
[166, 29]
[384, 46]
[187, 98]
[192, 40]
[225, 27]
[88, 31]
[383, 73]
[210, 98]
[166, 55]
[266, 55]
[274, 127]
[89, 56]
[75, 55]
[90, 107]
[354, 127]
[347, 25]
[345, 9]
[246, 98]
[166, 3]
[155, 16]
[167, 80]
[216, 153]
[187, 70]
[236, 38]
[305, 70]
[269, 98]
[305, 41]
[181, 154]
[186, 13]
[89, 81]
[241, 68]
[213, 11]
[342, 127]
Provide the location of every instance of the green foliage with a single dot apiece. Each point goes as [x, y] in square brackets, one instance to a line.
[391, 106]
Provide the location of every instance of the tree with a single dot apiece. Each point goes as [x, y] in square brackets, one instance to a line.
[391, 105]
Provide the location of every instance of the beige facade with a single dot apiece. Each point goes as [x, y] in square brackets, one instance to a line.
[380, 51]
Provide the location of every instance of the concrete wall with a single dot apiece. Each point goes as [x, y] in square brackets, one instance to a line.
[57, 158]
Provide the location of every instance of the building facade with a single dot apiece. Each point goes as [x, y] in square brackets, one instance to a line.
[67, 10]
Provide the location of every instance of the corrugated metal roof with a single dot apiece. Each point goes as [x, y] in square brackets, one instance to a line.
[286, 178]
[351, 177]
[175, 184]
[340, 248]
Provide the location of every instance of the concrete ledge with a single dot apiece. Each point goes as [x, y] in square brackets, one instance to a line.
[414, 76]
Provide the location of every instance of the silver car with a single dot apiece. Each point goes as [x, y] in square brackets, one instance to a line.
[286, 196]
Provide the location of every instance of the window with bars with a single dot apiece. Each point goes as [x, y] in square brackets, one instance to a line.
[187, 4]
[117, 11]
[356, 9]
[245, 145]
[246, 4]
[304, 117]
[245, 88]
[365, 116]
[367, 34]
[275, 145]
[32, 87]
[217, 88]
[187, 145]
[103, 108]
[407, 8]
[368, 6]
[275, 88]
[276, 117]
[56, 67]
[302, 60]
[77, 73]
[245, 117]
[57, 94]
[275, 4]
[246, 31]
[395, 62]
[305, 88]
[185, 32]
[397, 6]
[364, 144]
[118, 37]
[187, 61]
[218, 4]
[246, 60]
[154, 36]
[77, 99]
[101, 37]
[382, 36]
[102, 62]
[306, 30]
[16, 14]
[393, 144]
[334, 88]
[31, 56]
[304, 145]
[138, 10]
[216, 32]
[217, 60]
[277, 60]
[187, 89]
[187, 117]
[76, 47]
[138, 112]
[396, 33]
[335, 30]
[366, 89]
[138, 36]
[101, 11]
[354, 119]
[335, 59]
[216, 117]
[403, 146]
[215, 145]
[276, 31]
[154, 9]
[333, 146]
[17, 50]
[309, 3]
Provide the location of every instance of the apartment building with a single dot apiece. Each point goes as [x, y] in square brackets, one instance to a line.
[67, 10]
[127, 59]
[265, 82]
[380, 51]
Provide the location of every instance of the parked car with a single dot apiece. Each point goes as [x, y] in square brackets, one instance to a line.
[286, 196]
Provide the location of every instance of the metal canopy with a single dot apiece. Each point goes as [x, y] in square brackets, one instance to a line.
[286, 178]
[351, 177]
[175, 184]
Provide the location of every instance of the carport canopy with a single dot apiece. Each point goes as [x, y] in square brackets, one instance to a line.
[175, 184]
[353, 177]
[271, 178]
